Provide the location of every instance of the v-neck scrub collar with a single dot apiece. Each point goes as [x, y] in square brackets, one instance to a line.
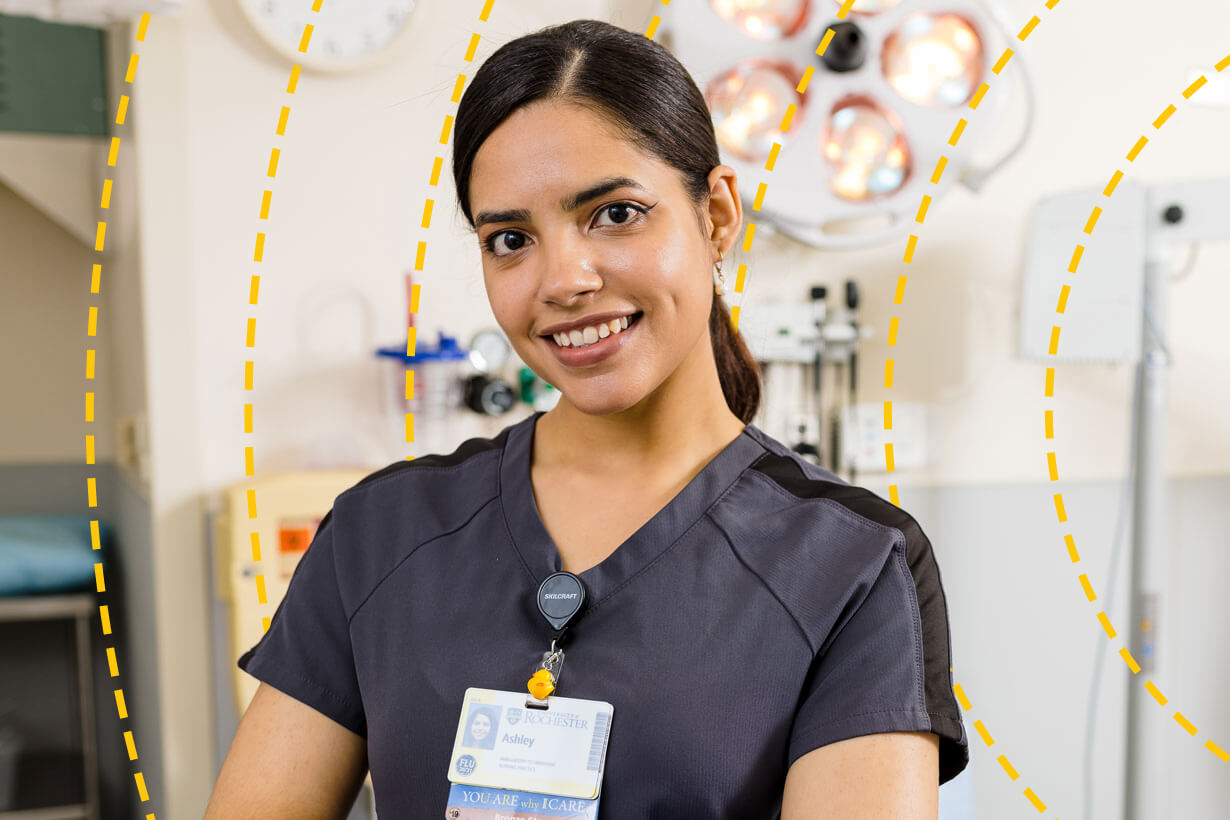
[538, 550]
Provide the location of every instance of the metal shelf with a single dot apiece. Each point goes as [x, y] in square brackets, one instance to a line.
[73, 812]
[79, 607]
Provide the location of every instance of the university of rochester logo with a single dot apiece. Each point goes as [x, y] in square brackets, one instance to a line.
[513, 716]
[466, 764]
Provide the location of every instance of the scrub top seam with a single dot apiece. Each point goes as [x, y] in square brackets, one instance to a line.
[513, 539]
[508, 530]
[794, 618]
[911, 588]
[410, 465]
[841, 509]
[939, 581]
[379, 583]
[844, 718]
[704, 516]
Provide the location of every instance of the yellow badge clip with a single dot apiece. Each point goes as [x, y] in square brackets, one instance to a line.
[542, 684]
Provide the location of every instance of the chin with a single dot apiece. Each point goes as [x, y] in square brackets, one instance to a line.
[597, 404]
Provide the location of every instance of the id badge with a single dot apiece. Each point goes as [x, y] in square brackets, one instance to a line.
[509, 743]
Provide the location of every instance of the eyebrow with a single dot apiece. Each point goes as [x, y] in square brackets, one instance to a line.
[568, 203]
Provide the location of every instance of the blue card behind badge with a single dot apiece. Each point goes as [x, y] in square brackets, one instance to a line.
[482, 803]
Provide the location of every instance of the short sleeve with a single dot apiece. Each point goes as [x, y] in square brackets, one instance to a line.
[887, 667]
[306, 652]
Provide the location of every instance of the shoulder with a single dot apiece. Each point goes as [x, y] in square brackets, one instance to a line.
[818, 542]
[800, 484]
[433, 476]
[381, 520]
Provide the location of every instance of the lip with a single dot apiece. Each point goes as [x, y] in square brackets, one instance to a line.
[597, 352]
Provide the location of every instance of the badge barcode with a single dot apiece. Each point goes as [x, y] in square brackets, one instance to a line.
[601, 722]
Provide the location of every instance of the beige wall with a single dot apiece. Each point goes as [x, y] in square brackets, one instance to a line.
[44, 308]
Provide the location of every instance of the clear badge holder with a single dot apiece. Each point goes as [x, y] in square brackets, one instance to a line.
[553, 662]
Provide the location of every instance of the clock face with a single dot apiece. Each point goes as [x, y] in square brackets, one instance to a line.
[346, 35]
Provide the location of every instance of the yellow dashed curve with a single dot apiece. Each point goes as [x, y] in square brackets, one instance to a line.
[100, 578]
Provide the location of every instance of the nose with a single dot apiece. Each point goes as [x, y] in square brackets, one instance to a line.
[569, 266]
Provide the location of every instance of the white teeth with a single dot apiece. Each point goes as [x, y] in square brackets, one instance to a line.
[591, 334]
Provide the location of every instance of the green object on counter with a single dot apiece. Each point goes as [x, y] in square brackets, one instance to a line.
[530, 385]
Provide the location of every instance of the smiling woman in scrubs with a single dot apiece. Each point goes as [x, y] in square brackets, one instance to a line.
[772, 639]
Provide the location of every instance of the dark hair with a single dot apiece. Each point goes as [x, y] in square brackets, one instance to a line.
[649, 97]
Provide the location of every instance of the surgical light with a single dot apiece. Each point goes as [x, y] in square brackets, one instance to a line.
[934, 59]
[748, 103]
[764, 19]
[844, 125]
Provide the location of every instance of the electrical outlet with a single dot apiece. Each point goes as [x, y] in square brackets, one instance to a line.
[132, 447]
[126, 450]
[865, 436]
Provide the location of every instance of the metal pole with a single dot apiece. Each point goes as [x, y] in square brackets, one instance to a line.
[1146, 769]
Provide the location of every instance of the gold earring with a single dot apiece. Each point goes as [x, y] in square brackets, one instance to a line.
[719, 285]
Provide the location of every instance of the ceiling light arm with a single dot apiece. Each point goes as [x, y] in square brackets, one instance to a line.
[974, 177]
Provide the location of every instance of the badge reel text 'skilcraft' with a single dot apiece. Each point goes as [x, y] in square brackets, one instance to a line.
[535, 757]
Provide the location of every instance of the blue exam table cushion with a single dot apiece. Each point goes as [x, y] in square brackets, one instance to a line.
[47, 553]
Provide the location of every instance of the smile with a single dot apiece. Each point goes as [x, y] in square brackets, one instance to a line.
[592, 352]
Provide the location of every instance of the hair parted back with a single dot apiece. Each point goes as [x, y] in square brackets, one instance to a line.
[643, 90]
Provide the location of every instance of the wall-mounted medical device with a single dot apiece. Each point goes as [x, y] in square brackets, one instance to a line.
[808, 355]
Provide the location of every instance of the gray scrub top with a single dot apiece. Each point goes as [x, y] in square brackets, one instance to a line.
[767, 610]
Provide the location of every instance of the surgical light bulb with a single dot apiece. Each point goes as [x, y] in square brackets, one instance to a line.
[747, 104]
[867, 150]
[934, 59]
[764, 19]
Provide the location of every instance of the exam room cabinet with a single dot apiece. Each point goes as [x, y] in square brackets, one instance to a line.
[47, 697]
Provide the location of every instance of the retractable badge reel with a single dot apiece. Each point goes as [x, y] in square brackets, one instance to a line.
[560, 597]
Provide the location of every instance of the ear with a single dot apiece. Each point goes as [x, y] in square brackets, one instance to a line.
[725, 213]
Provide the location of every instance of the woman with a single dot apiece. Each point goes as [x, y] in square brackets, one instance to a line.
[772, 639]
[479, 733]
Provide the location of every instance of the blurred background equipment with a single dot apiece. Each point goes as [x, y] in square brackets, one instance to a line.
[1116, 315]
[292, 506]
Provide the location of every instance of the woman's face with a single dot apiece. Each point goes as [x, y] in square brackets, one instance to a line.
[627, 250]
[480, 727]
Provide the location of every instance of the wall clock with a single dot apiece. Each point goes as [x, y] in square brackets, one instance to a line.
[348, 35]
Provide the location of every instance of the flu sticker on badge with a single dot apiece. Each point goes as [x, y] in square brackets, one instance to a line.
[503, 744]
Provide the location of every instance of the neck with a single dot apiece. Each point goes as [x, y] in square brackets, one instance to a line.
[685, 421]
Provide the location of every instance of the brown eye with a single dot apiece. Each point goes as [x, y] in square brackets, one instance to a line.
[489, 244]
[623, 207]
